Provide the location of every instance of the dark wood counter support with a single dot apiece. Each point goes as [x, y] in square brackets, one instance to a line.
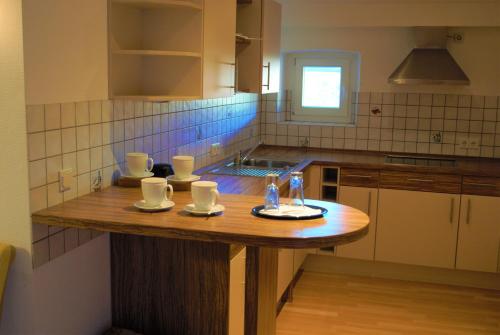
[169, 286]
[260, 290]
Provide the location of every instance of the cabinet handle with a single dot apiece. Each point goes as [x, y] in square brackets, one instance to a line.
[467, 220]
[268, 66]
[481, 185]
[452, 209]
[369, 203]
[421, 180]
[358, 176]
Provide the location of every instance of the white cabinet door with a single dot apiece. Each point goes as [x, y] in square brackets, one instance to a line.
[237, 294]
[219, 55]
[479, 234]
[285, 271]
[417, 228]
[364, 199]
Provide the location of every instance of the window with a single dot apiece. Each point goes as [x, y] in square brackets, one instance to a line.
[321, 85]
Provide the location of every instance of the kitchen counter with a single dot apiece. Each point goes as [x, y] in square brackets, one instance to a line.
[473, 166]
[477, 167]
[170, 271]
[112, 211]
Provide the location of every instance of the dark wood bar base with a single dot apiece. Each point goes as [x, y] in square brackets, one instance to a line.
[260, 292]
[169, 286]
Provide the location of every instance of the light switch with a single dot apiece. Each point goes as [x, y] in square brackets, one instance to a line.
[66, 180]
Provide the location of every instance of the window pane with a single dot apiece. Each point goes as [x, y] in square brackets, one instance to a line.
[321, 86]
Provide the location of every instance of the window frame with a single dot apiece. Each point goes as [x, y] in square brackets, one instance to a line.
[349, 64]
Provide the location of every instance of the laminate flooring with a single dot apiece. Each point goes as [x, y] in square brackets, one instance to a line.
[339, 304]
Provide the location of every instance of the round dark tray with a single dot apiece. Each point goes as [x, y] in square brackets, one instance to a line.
[256, 211]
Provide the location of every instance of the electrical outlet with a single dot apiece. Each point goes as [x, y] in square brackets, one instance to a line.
[462, 142]
[437, 137]
[66, 180]
[473, 142]
[215, 149]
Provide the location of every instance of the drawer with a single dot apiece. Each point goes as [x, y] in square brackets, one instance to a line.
[489, 186]
[359, 177]
[441, 183]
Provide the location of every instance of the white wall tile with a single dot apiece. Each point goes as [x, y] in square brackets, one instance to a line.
[70, 239]
[106, 111]
[52, 116]
[56, 245]
[36, 146]
[96, 158]
[54, 164]
[82, 137]
[83, 161]
[37, 173]
[95, 112]
[68, 117]
[83, 184]
[38, 199]
[82, 113]
[54, 196]
[53, 143]
[68, 140]
[95, 135]
[41, 252]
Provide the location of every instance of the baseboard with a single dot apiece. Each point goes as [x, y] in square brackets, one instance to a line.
[337, 265]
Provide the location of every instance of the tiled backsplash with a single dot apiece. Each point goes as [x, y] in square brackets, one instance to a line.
[406, 124]
[94, 136]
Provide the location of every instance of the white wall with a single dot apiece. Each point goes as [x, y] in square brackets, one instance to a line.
[65, 46]
[70, 295]
[382, 49]
[390, 13]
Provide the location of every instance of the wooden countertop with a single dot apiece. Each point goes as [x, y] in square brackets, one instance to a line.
[111, 210]
[473, 166]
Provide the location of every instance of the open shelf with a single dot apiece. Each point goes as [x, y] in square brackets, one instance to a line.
[155, 49]
[156, 78]
[160, 4]
[329, 193]
[158, 53]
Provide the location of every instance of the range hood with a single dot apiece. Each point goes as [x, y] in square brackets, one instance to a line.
[430, 63]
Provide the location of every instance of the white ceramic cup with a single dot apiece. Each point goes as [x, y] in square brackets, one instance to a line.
[156, 190]
[183, 166]
[204, 194]
[139, 163]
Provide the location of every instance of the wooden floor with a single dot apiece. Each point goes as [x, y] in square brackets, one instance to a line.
[338, 304]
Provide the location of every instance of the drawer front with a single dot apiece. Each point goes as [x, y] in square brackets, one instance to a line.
[488, 186]
[441, 183]
[359, 177]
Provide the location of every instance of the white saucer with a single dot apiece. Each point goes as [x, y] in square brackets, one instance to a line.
[190, 179]
[145, 175]
[167, 204]
[217, 209]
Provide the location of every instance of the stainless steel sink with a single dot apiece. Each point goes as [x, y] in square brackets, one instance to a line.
[255, 167]
[420, 161]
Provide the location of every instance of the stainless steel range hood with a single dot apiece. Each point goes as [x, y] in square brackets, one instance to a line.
[429, 63]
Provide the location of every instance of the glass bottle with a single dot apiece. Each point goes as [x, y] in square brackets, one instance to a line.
[296, 189]
[272, 200]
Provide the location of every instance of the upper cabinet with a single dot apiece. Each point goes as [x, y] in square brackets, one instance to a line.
[171, 49]
[258, 46]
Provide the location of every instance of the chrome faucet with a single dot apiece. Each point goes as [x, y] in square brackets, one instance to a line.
[240, 158]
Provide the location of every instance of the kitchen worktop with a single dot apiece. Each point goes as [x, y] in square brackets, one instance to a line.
[112, 210]
[343, 158]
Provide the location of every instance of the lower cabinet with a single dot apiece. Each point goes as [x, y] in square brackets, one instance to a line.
[285, 271]
[479, 234]
[237, 294]
[417, 228]
[364, 199]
